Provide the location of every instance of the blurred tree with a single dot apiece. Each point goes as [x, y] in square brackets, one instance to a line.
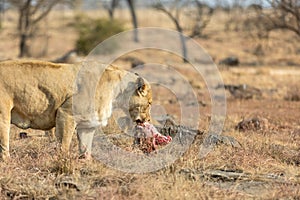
[285, 14]
[173, 13]
[31, 12]
[197, 11]
[201, 18]
[235, 16]
[260, 22]
[111, 8]
[131, 4]
[134, 19]
[282, 14]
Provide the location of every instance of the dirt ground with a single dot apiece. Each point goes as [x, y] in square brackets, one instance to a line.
[263, 115]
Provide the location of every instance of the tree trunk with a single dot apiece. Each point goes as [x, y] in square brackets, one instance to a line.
[134, 19]
[23, 46]
[182, 38]
[179, 29]
[183, 47]
[24, 26]
[113, 6]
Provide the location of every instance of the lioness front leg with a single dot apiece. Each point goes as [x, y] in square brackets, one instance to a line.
[4, 132]
[4, 140]
[85, 138]
[64, 129]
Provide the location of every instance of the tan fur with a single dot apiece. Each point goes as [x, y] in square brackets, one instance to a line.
[40, 95]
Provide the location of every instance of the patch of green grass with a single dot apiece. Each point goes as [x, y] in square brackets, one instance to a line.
[92, 32]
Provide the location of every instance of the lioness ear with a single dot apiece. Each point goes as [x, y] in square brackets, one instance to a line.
[141, 87]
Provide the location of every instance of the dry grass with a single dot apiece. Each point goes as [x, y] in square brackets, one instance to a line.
[269, 158]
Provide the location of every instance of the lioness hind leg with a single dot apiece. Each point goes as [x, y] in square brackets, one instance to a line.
[64, 129]
[51, 134]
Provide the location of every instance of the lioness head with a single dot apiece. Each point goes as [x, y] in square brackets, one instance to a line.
[140, 102]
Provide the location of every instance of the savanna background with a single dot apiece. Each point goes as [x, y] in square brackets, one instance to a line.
[255, 45]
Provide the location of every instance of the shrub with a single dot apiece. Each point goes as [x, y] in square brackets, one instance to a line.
[94, 31]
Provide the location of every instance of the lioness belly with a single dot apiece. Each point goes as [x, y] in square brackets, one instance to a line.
[44, 121]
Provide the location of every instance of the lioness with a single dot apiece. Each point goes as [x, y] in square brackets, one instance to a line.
[42, 95]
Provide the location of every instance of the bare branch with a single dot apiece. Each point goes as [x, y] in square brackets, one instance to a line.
[284, 15]
[175, 18]
[46, 11]
[161, 7]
